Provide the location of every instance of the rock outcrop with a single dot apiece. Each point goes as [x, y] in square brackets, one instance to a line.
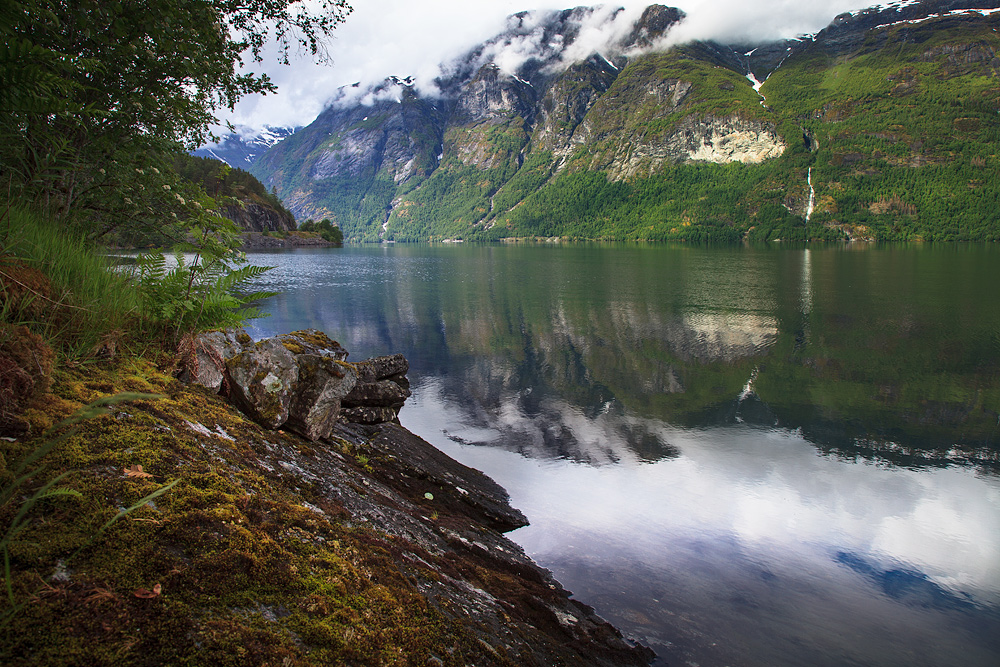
[299, 381]
[256, 217]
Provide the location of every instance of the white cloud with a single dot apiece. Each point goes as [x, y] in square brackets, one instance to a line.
[404, 38]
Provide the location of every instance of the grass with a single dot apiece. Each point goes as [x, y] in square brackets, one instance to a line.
[62, 287]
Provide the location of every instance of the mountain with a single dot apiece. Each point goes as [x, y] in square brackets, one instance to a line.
[242, 148]
[883, 126]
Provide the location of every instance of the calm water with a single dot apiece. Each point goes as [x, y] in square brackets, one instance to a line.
[738, 456]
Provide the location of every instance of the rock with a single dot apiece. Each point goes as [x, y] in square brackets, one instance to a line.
[380, 392]
[263, 379]
[203, 358]
[380, 368]
[313, 341]
[254, 216]
[362, 414]
[299, 381]
[383, 393]
[323, 381]
[293, 380]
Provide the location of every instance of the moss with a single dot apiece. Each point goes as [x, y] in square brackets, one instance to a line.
[293, 347]
[316, 338]
[248, 575]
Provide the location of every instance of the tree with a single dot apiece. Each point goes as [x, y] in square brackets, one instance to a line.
[95, 95]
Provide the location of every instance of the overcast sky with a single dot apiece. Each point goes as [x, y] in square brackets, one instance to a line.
[410, 38]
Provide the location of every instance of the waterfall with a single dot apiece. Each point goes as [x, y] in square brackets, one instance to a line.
[812, 194]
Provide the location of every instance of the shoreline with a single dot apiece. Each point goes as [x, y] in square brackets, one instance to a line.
[367, 546]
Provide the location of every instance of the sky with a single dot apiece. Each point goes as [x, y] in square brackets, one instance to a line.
[409, 38]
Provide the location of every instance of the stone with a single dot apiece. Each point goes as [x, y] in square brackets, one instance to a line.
[322, 382]
[203, 357]
[380, 392]
[381, 368]
[363, 414]
[313, 341]
[383, 393]
[299, 381]
[263, 380]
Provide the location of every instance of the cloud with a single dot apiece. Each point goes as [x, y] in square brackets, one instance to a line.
[403, 38]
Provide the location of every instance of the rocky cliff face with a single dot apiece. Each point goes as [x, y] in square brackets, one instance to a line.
[255, 217]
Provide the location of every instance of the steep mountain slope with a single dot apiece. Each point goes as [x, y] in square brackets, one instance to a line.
[882, 126]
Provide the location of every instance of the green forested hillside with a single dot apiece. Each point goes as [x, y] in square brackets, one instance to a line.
[901, 137]
[894, 127]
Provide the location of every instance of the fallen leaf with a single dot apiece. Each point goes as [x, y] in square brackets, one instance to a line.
[136, 471]
[143, 593]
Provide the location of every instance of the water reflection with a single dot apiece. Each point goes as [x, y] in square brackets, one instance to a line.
[749, 548]
[740, 456]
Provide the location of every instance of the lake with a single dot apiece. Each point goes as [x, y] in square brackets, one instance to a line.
[739, 456]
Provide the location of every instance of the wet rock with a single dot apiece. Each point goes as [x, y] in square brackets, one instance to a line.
[367, 415]
[445, 516]
[322, 382]
[380, 368]
[313, 341]
[294, 380]
[380, 392]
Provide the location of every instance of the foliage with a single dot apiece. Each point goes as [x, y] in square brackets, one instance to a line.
[325, 228]
[224, 183]
[97, 95]
[61, 286]
[200, 294]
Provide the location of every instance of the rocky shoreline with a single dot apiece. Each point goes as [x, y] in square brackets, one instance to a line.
[264, 241]
[307, 527]
[436, 510]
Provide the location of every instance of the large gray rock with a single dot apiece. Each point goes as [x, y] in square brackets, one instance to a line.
[323, 381]
[380, 368]
[380, 392]
[293, 380]
[299, 381]
[263, 380]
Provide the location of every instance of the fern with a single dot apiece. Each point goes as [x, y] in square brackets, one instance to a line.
[201, 294]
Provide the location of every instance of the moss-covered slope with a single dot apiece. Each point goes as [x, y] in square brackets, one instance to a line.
[268, 550]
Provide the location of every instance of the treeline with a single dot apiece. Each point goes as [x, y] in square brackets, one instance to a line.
[220, 181]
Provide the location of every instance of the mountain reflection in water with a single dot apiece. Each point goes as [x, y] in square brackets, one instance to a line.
[739, 456]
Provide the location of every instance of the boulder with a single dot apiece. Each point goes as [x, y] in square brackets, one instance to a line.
[263, 380]
[203, 357]
[313, 341]
[323, 381]
[299, 381]
[380, 392]
[381, 368]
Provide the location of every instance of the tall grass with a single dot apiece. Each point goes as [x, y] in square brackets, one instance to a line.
[85, 307]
